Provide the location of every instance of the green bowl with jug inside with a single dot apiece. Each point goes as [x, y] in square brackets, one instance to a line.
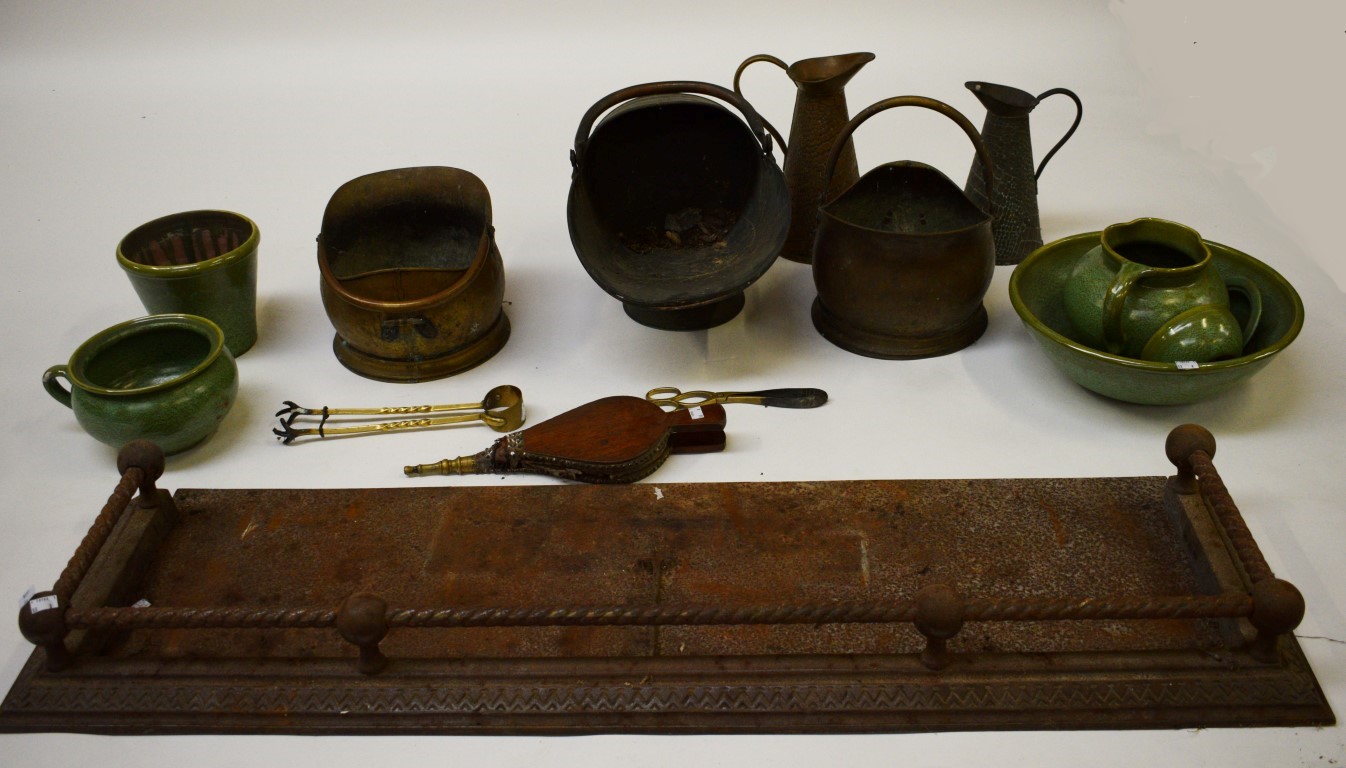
[164, 378]
[1037, 290]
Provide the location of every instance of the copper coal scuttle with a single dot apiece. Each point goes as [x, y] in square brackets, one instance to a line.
[675, 204]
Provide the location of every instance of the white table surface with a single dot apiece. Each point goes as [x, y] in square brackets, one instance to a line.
[112, 114]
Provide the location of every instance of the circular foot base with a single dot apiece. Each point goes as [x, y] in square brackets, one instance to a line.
[695, 318]
[887, 347]
[426, 369]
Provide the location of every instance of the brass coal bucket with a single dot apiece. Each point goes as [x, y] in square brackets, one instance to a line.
[675, 204]
[903, 258]
[411, 276]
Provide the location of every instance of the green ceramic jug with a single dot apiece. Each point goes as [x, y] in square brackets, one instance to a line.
[1149, 291]
[165, 378]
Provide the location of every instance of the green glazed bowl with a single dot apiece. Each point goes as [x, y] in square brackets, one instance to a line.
[164, 378]
[1036, 289]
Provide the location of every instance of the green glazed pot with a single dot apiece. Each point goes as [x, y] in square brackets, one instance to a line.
[165, 378]
[1038, 285]
[198, 263]
[1148, 290]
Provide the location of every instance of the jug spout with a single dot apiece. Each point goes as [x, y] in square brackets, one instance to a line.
[1003, 100]
[831, 72]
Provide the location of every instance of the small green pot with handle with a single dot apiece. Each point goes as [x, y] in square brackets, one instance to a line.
[165, 378]
[1149, 291]
[198, 263]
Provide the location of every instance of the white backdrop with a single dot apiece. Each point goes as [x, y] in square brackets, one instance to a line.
[114, 114]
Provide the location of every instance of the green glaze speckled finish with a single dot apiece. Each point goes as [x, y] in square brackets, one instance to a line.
[220, 285]
[1036, 290]
[165, 378]
[1136, 307]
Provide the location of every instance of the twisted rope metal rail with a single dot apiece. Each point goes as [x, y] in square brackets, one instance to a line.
[1240, 538]
[1233, 605]
[152, 617]
[1225, 606]
[871, 612]
[98, 534]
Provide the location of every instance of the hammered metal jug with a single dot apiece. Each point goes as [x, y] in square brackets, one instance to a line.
[1018, 231]
[903, 258]
[819, 115]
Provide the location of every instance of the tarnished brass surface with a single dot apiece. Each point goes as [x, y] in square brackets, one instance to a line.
[412, 279]
[501, 409]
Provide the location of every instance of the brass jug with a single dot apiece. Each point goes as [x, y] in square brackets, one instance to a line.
[820, 114]
[1018, 231]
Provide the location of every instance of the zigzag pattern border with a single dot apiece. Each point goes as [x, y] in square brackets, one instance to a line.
[1290, 685]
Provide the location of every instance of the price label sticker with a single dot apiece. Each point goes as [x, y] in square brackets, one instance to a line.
[27, 595]
[44, 603]
[696, 412]
[1187, 365]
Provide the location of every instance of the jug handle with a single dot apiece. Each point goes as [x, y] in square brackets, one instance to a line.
[784, 149]
[1114, 301]
[54, 387]
[1079, 113]
[1251, 294]
[909, 101]
[659, 89]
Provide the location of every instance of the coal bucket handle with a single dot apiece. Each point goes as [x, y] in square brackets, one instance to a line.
[1079, 113]
[755, 122]
[909, 101]
[738, 73]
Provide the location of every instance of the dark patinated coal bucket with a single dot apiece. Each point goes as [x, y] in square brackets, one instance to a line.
[903, 258]
[411, 276]
[676, 205]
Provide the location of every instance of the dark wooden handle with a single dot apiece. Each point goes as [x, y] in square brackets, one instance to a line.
[699, 429]
[798, 397]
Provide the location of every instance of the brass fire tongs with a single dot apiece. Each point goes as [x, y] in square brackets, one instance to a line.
[501, 410]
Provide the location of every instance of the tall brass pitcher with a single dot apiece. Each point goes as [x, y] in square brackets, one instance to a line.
[820, 114]
[1018, 231]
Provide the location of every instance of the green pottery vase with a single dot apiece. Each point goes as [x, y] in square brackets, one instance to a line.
[169, 379]
[198, 263]
[1148, 290]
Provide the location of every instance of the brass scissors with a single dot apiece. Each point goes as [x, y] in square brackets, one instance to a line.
[672, 397]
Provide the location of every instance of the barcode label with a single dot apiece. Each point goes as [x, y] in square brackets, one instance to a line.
[44, 603]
